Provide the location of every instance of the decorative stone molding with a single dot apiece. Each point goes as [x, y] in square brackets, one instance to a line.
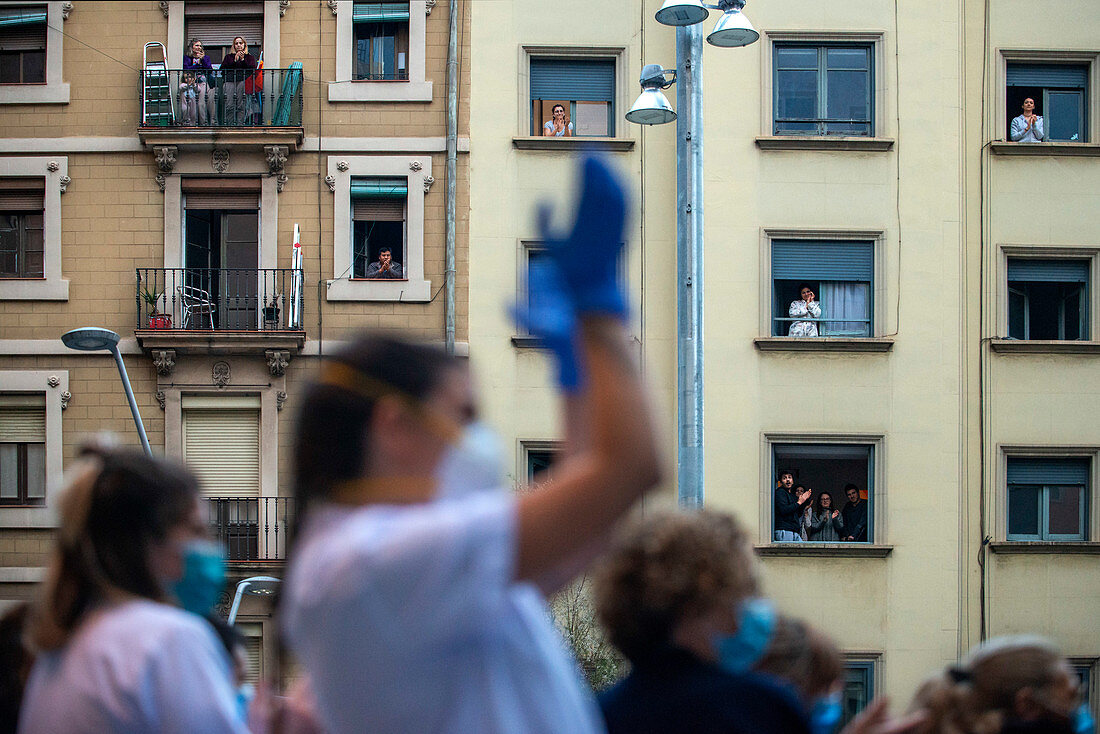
[280, 182]
[415, 166]
[332, 5]
[428, 5]
[53, 166]
[342, 166]
[160, 398]
[64, 182]
[331, 181]
[66, 9]
[277, 361]
[164, 360]
[165, 156]
[224, 604]
[66, 396]
[161, 181]
[220, 160]
[283, 5]
[164, 7]
[220, 374]
[53, 380]
[280, 398]
[276, 157]
[428, 181]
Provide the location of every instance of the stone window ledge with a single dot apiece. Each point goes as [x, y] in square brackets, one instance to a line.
[1046, 547]
[830, 550]
[823, 344]
[1001, 147]
[526, 341]
[18, 289]
[533, 142]
[823, 142]
[1042, 346]
[411, 290]
[380, 90]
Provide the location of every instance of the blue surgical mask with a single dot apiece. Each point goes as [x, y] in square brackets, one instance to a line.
[245, 693]
[203, 577]
[740, 651]
[472, 464]
[826, 714]
[1083, 723]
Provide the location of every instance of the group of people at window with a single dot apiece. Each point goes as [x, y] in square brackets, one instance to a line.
[801, 517]
[199, 78]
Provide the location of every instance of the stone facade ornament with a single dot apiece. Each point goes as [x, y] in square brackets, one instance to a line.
[280, 398]
[164, 7]
[416, 166]
[220, 160]
[53, 380]
[53, 166]
[343, 166]
[428, 181]
[166, 157]
[283, 5]
[332, 5]
[64, 182]
[66, 9]
[219, 374]
[276, 161]
[66, 396]
[164, 360]
[331, 181]
[161, 181]
[428, 5]
[277, 360]
[160, 399]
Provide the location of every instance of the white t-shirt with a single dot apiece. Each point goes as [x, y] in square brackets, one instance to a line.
[135, 667]
[407, 619]
[550, 126]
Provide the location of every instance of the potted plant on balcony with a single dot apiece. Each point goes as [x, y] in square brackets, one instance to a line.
[271, 314]
[157, 320]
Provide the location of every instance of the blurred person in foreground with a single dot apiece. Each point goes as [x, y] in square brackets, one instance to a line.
[414, 600]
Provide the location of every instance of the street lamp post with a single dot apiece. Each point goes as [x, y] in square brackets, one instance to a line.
[733, 29]
[91, 339]
[255, 585]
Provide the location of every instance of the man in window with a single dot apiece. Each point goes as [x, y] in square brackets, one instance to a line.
[1028, 127]
[855, 515]
[789, 507]
[385, 268]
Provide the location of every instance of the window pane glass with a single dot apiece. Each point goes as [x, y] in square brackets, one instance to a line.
[591, 118]
[797, 94]
[1017, 309]
[389, 57]
[796, 58]
[1071, 313]
[848, 58]
[32, 265]
[848, 95]
[9, 471]
[9, 68]
[1023, 511]
[362, 56]
[34, 67]
[539, 461]
[858, 690]
[1063, 115]
[842, 300]
[36, 471]
[1064, 510]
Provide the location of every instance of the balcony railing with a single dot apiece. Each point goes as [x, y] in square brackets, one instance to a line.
[213, 299]
[214, 99]
[842, 326]
[251, 528]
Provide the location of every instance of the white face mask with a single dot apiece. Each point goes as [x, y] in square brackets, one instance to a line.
[473, 464]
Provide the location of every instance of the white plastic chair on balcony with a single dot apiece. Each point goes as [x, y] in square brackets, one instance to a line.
[196, 303]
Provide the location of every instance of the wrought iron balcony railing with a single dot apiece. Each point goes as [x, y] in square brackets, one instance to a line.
[215, 99]
[251, 528]
[213, 299]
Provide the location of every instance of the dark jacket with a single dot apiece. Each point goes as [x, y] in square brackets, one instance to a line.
[788, 513]
[855, 521]
[676, 692]
[230, 62]
[191, 64]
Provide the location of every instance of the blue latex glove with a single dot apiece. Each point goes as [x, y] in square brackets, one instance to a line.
[588, 257]
[549, 316]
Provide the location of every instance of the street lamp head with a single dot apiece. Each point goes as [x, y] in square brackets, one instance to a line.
[259, 585]
[733, 29]
[652, 107]
[90, 339]
[682, 12]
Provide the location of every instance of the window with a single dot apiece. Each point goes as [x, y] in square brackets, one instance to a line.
[823, 89]
[832, 469]
[1048, 498]
[21, 222]
[381, 41]
[217, 24]
[540, 458]
[22, 448]
[252, 635]
[859, 688]
[23, 44]
[1060, 93]
[1048, 299]
[841, 276]
[1085, 668]
[584, 87]
[378, 225]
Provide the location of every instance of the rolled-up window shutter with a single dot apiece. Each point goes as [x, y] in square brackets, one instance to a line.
[23, 418]
[822, 260]
[22, 194]
[587, 80]
[378, 210]
[220, 30]
[1048, 271]
[252, 636]
[221, 193]
[23, 28]
[222, 8]
[1048, 471]
[1058, 76]
[227, 200]
[222, 446]
[379, 12]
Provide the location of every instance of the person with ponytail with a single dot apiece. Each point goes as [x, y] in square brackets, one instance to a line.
[115, 652]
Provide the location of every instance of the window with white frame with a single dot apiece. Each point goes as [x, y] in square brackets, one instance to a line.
[30, 228]
[1059, 92]
[823, 89]
[572, 96]
[1048, 498]
[381, 41]
[23, 448]
[839, 276]
[381, 52]
[31, 43]
[378, 206]
[1048, 299]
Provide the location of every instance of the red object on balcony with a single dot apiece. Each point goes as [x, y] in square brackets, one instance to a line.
[160, 321]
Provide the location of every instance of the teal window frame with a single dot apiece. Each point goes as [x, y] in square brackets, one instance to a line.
[1066, 84]
[822, 121]
[383, 28]
[779, 465]
[858, 674]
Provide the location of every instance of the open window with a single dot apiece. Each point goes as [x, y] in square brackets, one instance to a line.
[841, 276]
[1048, 498]
[381, 33]
[585, 89]
[23, 44]
[1060, 93]
[23, 448]
[378, 213]
[21, 227]
[833, 469]
[823, 89]
[1048, 299]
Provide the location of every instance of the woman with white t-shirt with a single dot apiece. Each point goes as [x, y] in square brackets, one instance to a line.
[115, 652]
[414, 597]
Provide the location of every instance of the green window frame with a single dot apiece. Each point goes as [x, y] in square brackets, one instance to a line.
[1062, 92]
[799, 458]
[823, 89]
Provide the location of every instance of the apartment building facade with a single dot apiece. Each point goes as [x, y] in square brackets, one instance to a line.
[164, 204]
[861, 149]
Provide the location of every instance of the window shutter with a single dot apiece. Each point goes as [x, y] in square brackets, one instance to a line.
[1048, 271]
[21, 16]
[380, 188]
[578, 80]
[378, 210]
[1048, 75]
[22, 194]
[230, 193]
[379, 12]
[222, 446]
[822, 451]
[816, 260]
[222, 201]
[252, 636]
[23, 418]
[23, 28]
[1048, 471]
[220, 30]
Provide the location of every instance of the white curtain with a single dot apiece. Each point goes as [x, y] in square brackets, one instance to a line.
[845, 300]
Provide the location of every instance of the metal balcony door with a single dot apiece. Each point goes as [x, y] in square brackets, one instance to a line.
[240, 277]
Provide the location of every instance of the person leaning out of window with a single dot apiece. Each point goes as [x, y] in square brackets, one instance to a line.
[1028, 127]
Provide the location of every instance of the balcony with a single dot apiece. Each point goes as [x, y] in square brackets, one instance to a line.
[219, 310]
[251, 529]
[243, 107]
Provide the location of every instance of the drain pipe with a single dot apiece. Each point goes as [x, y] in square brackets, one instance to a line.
[452, 160]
